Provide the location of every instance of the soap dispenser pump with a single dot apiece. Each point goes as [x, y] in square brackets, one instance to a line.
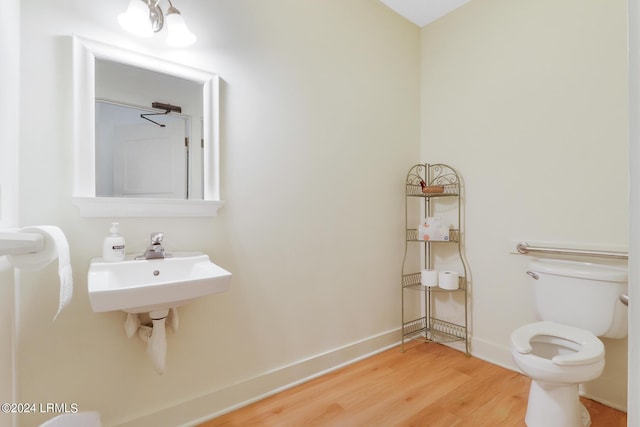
[113, 246]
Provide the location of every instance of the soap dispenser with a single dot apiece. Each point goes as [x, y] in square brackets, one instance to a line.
[113, 246]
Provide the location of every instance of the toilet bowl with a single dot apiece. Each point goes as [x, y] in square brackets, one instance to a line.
[557, 358]
[563, 350]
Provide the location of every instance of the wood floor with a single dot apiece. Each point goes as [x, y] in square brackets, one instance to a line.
[427, 385]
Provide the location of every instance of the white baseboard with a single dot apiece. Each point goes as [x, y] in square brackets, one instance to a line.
[493, 353]
[614, 400]
[218, 402]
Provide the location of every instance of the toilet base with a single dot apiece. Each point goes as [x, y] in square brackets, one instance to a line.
[555, 405]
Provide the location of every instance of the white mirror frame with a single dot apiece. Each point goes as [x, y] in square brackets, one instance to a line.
[85, 52]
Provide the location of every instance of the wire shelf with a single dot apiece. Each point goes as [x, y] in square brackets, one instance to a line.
[412, 281]
[412, 236]
[448, 190]
[437, 331]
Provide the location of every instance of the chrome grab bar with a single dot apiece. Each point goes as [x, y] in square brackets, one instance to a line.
[624, 298]
[525, 248]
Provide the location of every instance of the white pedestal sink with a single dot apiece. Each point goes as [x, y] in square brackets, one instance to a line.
[141, 286]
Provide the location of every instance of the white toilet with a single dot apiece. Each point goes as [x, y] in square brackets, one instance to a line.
[577, 302]
[79, 419]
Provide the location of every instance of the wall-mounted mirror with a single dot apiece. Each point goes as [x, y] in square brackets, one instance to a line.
[146, 135]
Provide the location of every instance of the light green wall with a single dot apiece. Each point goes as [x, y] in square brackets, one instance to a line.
[320, 120]
[9, 133]
[528, 99]
[322, 105]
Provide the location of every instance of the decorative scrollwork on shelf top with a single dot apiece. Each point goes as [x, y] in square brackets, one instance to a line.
[443, 175]
[435, 174]
[416, 174]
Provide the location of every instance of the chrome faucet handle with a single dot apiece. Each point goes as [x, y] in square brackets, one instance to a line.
[155, 249]
[156, 238]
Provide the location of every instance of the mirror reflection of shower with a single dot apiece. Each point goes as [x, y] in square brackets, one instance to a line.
[142, 152]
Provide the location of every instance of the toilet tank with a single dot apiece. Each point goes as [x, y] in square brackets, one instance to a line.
[581, 294]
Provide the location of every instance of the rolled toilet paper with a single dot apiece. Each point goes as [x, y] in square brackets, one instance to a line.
[55, 246]
[429, 277]
[448, 280]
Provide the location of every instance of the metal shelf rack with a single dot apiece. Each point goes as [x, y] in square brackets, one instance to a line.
[428, 188]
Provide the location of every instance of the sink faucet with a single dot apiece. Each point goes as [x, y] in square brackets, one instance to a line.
[155, 249]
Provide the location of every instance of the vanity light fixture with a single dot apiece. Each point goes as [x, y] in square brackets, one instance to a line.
[144, 18]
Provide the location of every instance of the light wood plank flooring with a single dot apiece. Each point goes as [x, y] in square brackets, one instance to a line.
[427, 385]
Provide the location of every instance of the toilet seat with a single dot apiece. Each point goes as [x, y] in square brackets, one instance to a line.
[591, 348]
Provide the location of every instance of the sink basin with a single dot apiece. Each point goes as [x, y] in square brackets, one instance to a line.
[141, 286]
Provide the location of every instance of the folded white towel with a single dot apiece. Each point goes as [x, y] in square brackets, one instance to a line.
[55, 246]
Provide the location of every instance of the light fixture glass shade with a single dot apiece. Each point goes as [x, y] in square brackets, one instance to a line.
[136, 19]
[179, 35]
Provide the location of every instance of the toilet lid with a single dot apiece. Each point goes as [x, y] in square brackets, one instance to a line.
[591, 349]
